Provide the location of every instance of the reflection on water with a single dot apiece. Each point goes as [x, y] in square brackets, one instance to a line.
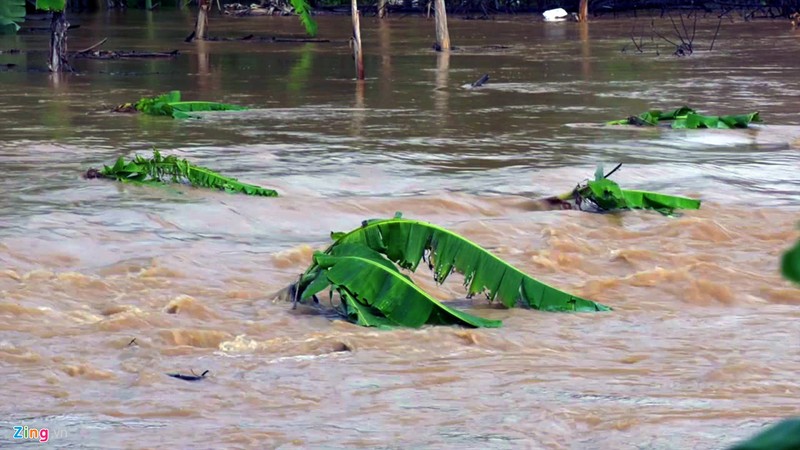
[697, 354]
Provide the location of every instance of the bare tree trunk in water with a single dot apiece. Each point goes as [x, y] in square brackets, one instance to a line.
[57, 61]
[382, 9]
[583, 11]
[202, 20]
[442, 35]
[357, 55]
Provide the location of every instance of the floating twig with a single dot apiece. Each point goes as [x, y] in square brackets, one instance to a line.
[88, 49]
[192, 377]
[132, 342]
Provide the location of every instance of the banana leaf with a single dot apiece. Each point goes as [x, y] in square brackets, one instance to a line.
[375, 293]
[303, 10]
[51, 5]
[608, 196]
[12, 13]
[785, 435]
[790, 264]
[170, 104]
[605, 195]
[687, 118]
[160, 169]
[408, 242]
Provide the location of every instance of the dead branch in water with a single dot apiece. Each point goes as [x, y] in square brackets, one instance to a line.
[683, 39]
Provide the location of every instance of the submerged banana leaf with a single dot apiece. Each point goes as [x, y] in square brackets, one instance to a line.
[604, 195]
[785, 435]
[159, 169]
[303, 9]
[688, 118]
[407, 242]
[374, 293]
[608, 196]
[12, 13]
[790, 264]
[170, 104]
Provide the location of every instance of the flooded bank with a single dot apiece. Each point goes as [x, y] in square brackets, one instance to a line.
[699, 352]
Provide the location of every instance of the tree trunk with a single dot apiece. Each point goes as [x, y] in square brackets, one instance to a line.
[57, 61]
[357, 55]
[382, 9]
[442, 35]
[583, 11]
[202, 20]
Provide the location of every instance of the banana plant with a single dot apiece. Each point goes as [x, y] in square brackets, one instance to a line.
[688, 118]
[407, 243]
[605, 195]
[170, 104]
[160, 169]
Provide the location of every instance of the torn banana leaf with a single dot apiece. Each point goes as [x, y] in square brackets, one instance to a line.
[374, 293]
[161, 169]
[687, 118]
[170, 104]
[303, 10]
[604, 195]
[608, 196]
[785, 435]
[790, 264]
[408, 242]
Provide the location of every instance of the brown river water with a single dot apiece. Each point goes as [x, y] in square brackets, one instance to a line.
[701, 350]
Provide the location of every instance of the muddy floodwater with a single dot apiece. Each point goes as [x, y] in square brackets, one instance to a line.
[702, 348]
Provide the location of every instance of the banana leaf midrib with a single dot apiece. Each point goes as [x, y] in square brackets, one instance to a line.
[450, 233]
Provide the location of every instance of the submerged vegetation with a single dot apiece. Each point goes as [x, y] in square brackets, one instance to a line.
[604, 195]
[790, 263]
[688, 118]
[163, 169]
[170, 104]
[360, 266]
[785, 435]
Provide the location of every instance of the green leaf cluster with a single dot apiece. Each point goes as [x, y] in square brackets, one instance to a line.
[360, 266]
[687, 118]
[12, 13]
[51, 5]
[160, 169]
[785, 435]
[303, 10]
[170, 104]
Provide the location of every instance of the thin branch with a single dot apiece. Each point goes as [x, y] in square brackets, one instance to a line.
[715, 35]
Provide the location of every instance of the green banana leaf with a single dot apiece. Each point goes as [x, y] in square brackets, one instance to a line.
[303, 10]
[406, 242]
[159, 169]
[608, 196]
[785, 435]
[51, 5]
[170, 104]
[790, 263]
[12, 13]
[375, 293]
[605, 195]
[687, 118]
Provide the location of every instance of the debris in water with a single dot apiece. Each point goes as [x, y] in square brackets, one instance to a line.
[192, 377]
